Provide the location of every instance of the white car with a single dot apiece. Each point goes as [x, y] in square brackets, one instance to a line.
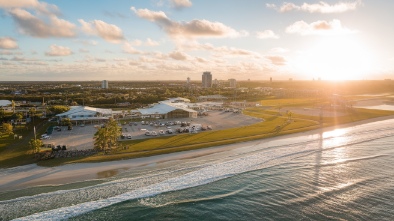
[129, 136]
[153, 133]
[161, 132]
[148, 133]
[45, 137]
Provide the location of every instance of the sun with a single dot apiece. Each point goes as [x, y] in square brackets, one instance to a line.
[337, 58]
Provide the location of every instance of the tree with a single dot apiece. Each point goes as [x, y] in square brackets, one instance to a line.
[106, 138]
[7, 128]
[32, 111]
[35, 144]
[66, 121]
[58, 109]
[18, 117]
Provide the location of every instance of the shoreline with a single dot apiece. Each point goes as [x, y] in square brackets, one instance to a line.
[32, 175]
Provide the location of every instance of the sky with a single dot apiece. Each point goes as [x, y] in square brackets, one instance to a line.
[69, 40]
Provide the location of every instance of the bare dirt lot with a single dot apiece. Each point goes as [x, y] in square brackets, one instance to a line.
[81, 138]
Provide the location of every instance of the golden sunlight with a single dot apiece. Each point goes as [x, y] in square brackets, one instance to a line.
[337, 58]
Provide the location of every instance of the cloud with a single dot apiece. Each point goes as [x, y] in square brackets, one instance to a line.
[83, 50]
[31, 25]
[5, 52]
[150, 42]
[279, 50]
[108, 32]
[87, 42]
[277, 60]
[267, 34]
[20, 58]
[333, 27]
[128, 48]
[193, 29]
[42, 7]
[178, 55]
[321, 7]
[8, 43]
[179, 4]
[56, 50]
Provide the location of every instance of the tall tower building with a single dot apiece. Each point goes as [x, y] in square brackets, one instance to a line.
[104, 84]
[206, 79]
[188, 80]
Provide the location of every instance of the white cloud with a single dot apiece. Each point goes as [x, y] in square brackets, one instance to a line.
[8, 43]
[150, 42]
[181, 3]
[87, 42]
[277, 60]
[192, 29]
[108, 32]
[56, 50]
[267, 34]
[279, 50]
[42, 7]
[128, 48]
[31, 25]
[147, 42]
[333, 27]
[321, 7]
[178, 55]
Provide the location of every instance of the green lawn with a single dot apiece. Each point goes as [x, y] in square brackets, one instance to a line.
[16, 152]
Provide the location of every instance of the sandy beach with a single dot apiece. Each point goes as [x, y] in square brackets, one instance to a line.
[33, 175]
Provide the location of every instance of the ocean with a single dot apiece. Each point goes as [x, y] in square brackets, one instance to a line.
[342, 174]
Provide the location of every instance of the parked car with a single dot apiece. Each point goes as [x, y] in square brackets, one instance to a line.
[153, 133]
[129, 137]
[161, 132]
[45, 137]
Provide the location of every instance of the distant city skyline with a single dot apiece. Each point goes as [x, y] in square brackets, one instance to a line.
[174, 39]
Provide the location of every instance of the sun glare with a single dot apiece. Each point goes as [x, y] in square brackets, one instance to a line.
[337, 58]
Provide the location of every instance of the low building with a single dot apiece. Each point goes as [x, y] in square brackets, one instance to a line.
[82, 113]
[168, 109]
[4, 103]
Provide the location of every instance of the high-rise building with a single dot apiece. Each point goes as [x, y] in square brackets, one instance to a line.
[104, 84]
[188, 80]
[206, 79]
[232, 82]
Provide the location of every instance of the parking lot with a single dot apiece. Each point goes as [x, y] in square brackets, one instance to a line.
[81, 138]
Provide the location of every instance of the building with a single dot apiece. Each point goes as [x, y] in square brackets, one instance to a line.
[215, 83]
[188, 80]
[104, 84]
[89, 114]
[169, 109]
[232, 82]
[206, 79]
